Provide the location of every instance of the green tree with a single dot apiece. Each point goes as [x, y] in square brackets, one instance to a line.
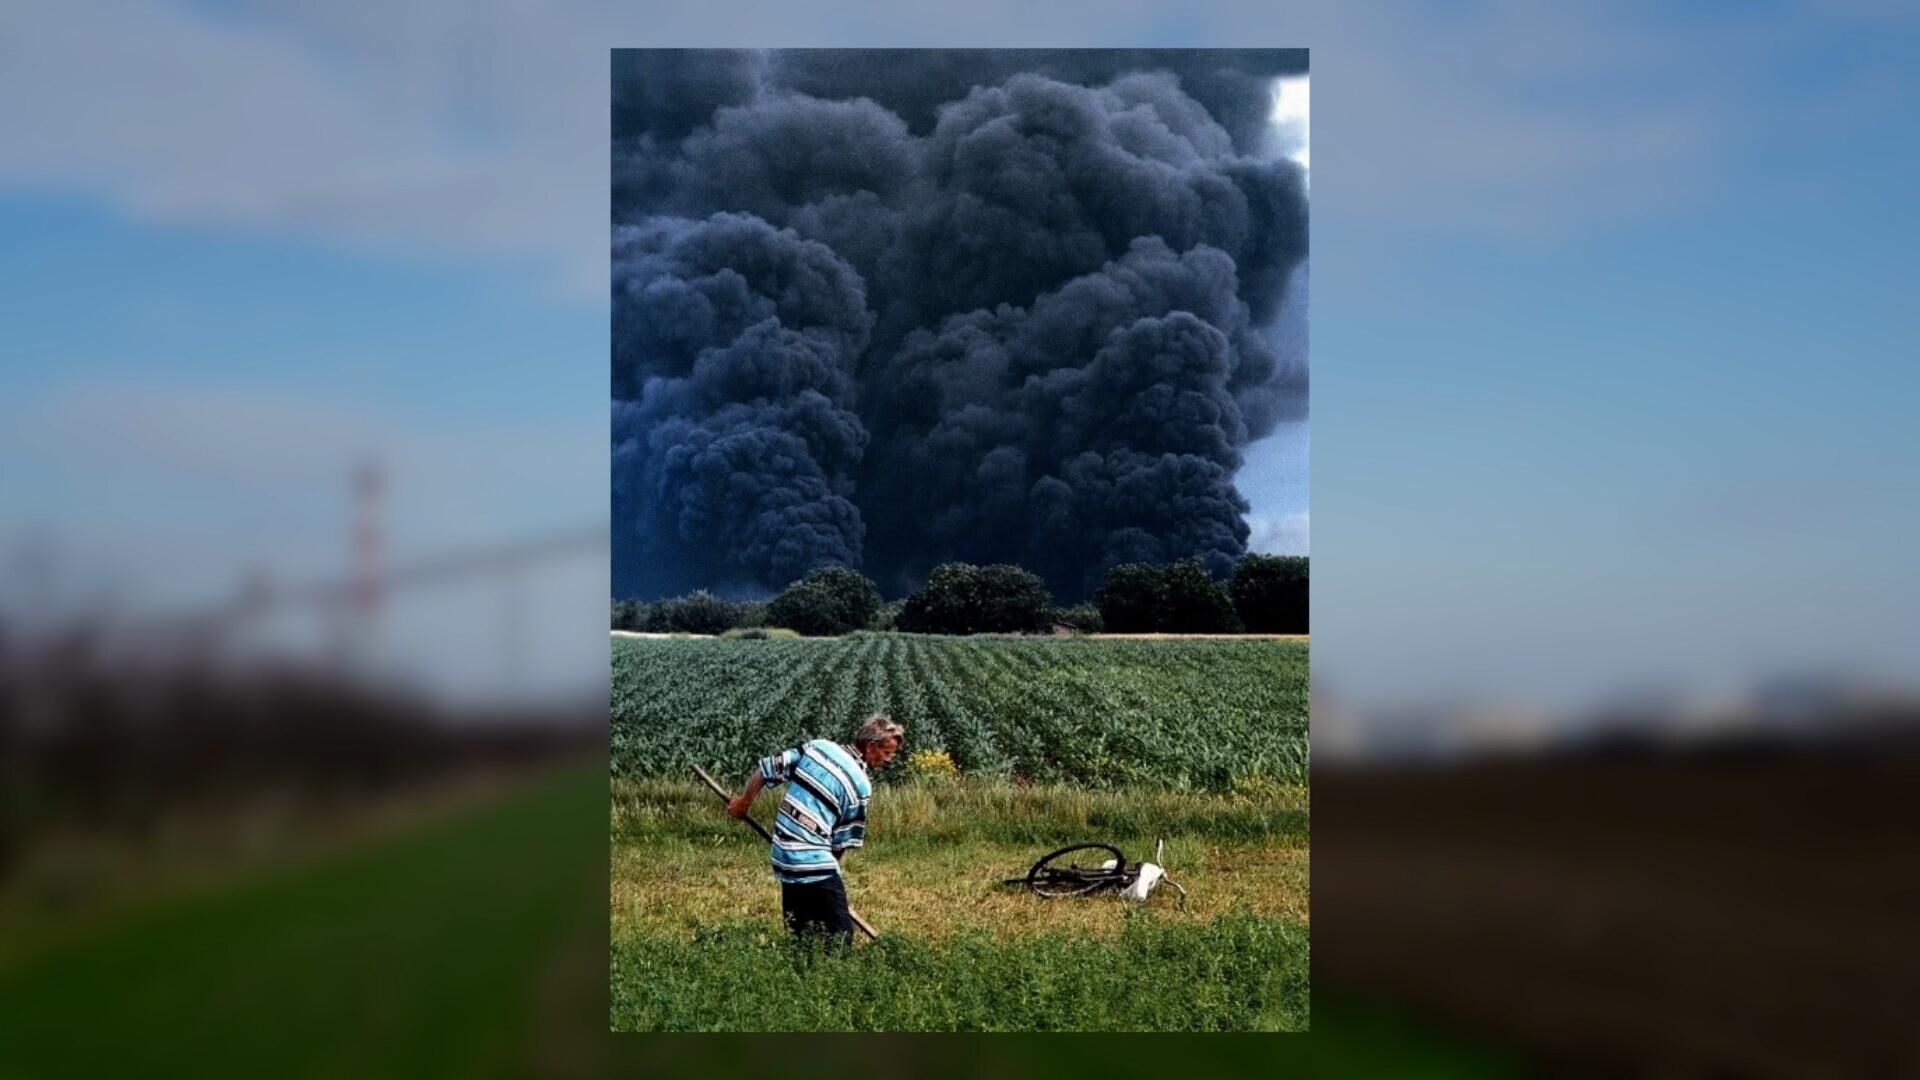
[1012, 601]
[960, 598]
[829, 601]
[1270, 593]
[1133, 600]
[1195, 603]
[629, 615]
[698, 612]
[947, 604]
[888, 617]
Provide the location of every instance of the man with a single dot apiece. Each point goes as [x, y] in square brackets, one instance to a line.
[823, 817]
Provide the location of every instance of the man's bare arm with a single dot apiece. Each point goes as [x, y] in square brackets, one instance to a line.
[742, 804]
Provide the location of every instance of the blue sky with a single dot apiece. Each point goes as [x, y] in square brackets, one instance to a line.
[1611, 331]
[100, 296]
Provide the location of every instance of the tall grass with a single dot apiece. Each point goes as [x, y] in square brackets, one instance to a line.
[1232, 974]
[937, 813]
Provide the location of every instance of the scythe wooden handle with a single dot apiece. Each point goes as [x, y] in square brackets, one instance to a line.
[768, 837]
[726, 798]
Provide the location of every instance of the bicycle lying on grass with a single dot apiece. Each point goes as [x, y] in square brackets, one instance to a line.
[1067, 872]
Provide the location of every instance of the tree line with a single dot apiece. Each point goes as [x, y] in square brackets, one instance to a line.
[1267, 594]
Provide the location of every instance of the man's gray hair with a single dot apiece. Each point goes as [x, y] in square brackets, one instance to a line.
[878, 728]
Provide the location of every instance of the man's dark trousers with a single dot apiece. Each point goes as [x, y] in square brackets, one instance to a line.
[818, 910]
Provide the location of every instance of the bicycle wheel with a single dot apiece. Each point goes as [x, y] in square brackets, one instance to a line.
[1057, 875]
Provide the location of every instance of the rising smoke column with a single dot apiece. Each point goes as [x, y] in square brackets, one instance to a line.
[984, 306]
[734, 439]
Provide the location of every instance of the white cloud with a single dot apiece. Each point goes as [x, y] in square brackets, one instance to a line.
[175, 115]
[480, 130]
[1508, 119]
[1291, 108]
[1286, 534]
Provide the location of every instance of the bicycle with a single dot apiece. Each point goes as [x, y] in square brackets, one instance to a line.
[1060, 874]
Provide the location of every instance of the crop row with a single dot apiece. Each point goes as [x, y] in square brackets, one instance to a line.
[1205, 715]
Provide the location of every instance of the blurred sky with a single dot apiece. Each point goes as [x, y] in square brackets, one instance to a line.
[1607, 320]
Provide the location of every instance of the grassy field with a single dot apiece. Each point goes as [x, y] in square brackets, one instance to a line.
[698, 945]
[472, 945]
[1236, 974]
[1199, 743]
[439, 950]
[940, 850]
[1095, 713]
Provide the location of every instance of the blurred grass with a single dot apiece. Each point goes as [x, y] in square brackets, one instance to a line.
[418, 955]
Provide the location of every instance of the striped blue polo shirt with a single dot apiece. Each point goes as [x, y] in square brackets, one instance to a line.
[825, 809]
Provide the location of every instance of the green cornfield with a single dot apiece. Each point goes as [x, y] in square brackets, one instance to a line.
[1203, 715]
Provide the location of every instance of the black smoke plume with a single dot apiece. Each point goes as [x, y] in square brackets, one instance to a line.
[890, 308]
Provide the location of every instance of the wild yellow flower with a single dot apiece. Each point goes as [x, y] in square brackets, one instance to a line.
[932, 765]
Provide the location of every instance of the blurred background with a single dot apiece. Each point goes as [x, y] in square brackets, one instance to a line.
[303, 528]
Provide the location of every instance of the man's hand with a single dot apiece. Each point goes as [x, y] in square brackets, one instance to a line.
[742, 804]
